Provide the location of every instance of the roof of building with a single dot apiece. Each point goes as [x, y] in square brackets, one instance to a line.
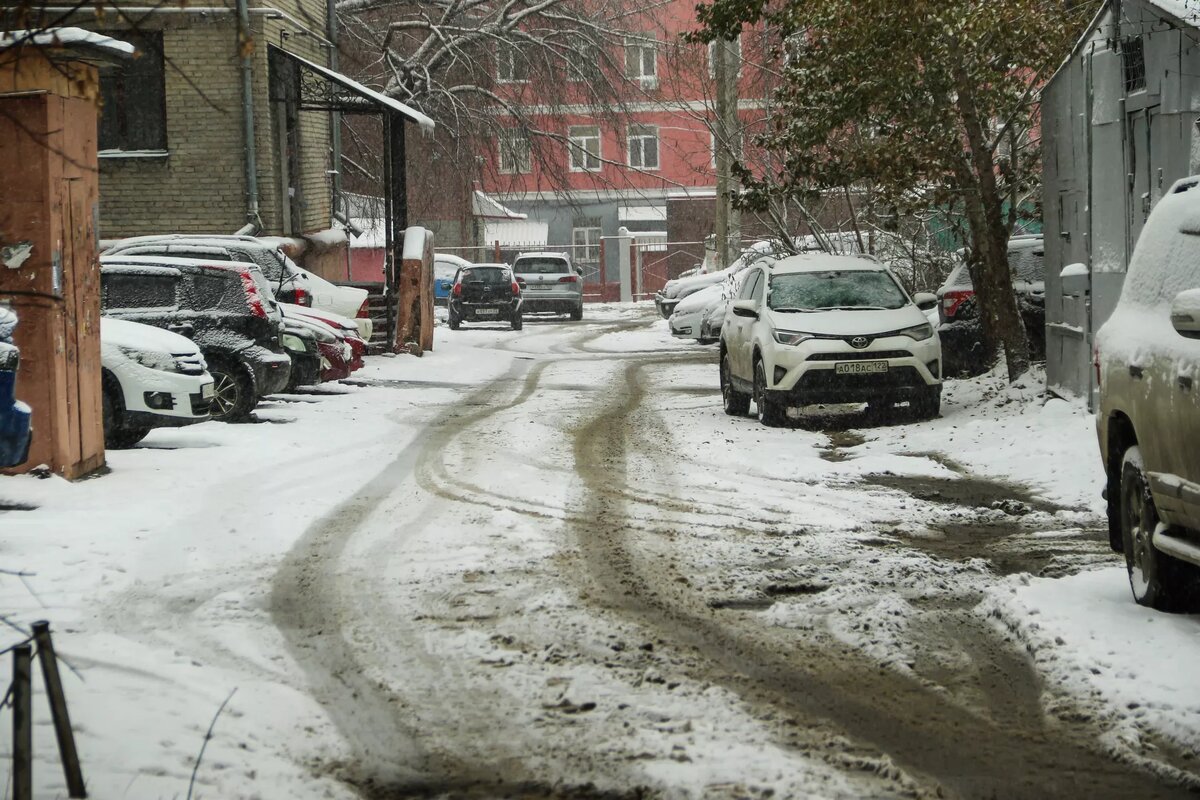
[81, 43]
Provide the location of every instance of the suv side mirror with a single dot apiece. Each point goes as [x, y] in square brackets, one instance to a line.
[925, 300]
[1185, 313]
[745, 308]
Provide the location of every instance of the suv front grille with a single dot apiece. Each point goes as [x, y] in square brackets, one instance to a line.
[859, 355]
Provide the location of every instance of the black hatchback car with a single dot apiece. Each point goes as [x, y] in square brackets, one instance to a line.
[485, 293]
[225, 307]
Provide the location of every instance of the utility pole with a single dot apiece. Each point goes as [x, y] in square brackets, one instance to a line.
[727, 141]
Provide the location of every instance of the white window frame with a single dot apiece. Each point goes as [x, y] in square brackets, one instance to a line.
[578, 137]
[712, 56]
[505, 143]
[589, 245]
[641, 133]
[506, 56]
[636, 65]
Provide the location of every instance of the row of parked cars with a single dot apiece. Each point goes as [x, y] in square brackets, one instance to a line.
[199, 327]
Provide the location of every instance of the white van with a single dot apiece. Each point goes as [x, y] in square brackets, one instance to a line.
[152, 378]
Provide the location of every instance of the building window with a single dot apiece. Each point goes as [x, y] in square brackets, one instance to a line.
[735, 53]
[641, 61]
[583, 59]
[133, 114]
[511, 67]
[643, 146]
[1134, 59]
[584, 148]
[587, 244]
[515, 153]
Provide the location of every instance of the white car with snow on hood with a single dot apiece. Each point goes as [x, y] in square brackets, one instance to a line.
[819, 328]
[151, 378]
[701, 316]
[1147, 358]
[676, 290]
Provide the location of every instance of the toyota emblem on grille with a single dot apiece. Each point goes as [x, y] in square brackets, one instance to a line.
[859, 342]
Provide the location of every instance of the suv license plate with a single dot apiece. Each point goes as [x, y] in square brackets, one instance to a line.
[206, 391]
[860, 367]
[487, 312]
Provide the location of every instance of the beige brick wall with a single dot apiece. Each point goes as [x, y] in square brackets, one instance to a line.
[200, 185]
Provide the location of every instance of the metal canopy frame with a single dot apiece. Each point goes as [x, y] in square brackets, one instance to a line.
[307, 86]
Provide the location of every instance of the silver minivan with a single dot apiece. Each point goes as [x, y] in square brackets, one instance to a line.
[549, 283]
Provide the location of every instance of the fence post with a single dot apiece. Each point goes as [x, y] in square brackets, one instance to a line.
[636, 261]
[603, 274]
[58, 711]
[497, 245]
[22, 703]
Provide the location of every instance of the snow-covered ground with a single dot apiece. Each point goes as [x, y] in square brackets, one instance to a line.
[433, 504]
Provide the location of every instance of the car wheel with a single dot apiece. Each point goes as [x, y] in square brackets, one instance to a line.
[577, 312]
[517, 322]
[928, 405]
[1157, 580]
[737, 404]
[770, 413]
[117, 437]
[233, 392]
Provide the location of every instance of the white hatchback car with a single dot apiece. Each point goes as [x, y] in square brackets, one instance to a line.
[819, 328]
[151, 379]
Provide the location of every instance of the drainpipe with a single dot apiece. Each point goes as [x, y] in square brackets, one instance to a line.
[335, 129]
[251, 162]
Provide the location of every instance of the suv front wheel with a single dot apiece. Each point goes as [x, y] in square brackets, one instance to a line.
[1157, 580]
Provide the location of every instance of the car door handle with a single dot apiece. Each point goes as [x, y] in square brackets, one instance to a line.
[1185, 383]
[1135, 371]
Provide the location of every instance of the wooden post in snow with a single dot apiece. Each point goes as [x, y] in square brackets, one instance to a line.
[58, 711]
[22, 706]
[414, 295]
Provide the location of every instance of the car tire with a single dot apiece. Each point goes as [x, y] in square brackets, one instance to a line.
[233, 391]
[577, 312]
[928, 404]
[1157, 580]
[517, 322]
[116, 436]
[770, 413]
[737, 404]
[453, 321]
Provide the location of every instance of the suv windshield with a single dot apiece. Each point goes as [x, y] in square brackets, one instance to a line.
[860, 290]
[540, 266]
[485, 275]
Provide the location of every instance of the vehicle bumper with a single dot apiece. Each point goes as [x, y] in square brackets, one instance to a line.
[155, 398]
[306, 369]
[809, 374]
[271, 371]
[485, 312]
[686, 326]
[562, 302]
[665, 306]
[335, 361]
[365, 327]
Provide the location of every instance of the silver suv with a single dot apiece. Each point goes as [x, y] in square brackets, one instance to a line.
[1147, 361]
[549, 283]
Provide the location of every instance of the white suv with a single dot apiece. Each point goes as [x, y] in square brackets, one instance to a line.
[820, 328]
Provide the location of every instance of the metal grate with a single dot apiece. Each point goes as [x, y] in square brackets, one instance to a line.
[1133, 57]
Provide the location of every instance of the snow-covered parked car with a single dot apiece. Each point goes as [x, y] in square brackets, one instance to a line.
[15, 431]
[819, 328]
[151, 378]
[1147, 358]
[674, 291]
[701, 315]
[291, 283]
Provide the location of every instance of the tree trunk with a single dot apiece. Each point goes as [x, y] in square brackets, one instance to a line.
[992, 278]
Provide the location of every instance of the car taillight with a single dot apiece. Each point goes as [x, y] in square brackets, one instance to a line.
[457, 290]
[521, 281]
[253, 300]
[515, 288]
[953, 299]
[364, 312]
[303, 297]
[569, 279]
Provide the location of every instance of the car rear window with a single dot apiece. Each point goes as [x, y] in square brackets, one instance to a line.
[1028, 264]
[835, 289]
[541, 266]
[213, 290]
[128, 291]
[486, 275]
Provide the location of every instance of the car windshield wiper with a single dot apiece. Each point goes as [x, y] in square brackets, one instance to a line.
[851, 308]
[788, 310]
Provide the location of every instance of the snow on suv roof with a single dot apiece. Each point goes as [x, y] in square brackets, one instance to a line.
[816, 262]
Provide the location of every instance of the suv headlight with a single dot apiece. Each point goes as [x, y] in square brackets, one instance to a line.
[150, 359]
[792, 337]
[293, 342]
[918, 332]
